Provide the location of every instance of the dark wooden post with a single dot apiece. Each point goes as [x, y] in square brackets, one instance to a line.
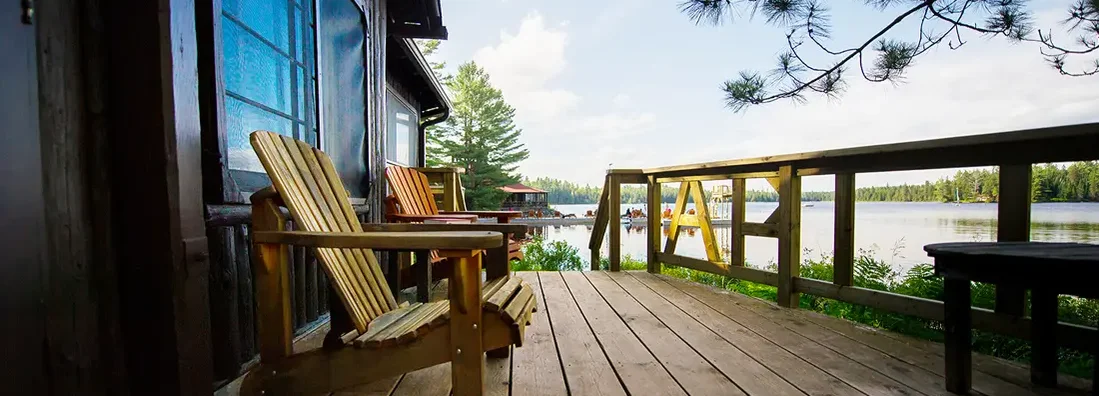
[158, 218]
[655, 226]
[789, 235]
[1013, 214]
[614, 207]
[738, 217]
[843, 253]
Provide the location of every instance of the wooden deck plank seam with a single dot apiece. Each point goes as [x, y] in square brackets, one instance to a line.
[884, 334]
[761, 363]
[812, 322]
[636, 336]
[396, 385]
[596, 337]
[700, 354]
[980, 361]
[511, 367]
[544, 307]
[838, 352]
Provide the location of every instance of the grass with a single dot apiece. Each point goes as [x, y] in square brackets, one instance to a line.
[870, 272]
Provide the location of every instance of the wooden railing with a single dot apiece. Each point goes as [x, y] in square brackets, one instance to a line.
[232, 294]
[1013, 152]
[447, 187]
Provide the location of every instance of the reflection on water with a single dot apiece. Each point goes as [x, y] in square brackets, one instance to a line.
[885, 228]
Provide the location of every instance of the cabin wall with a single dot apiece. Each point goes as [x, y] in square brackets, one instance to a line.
[232, 306]
[83, 347]
[398, 87]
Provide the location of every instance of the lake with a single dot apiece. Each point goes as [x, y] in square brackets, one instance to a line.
[893, 231]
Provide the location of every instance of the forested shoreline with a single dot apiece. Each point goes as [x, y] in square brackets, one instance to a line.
[1076, 182]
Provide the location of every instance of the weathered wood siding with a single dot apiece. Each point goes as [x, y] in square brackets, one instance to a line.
[398, 88]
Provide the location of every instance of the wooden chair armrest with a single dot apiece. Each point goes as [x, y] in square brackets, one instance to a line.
[414, 218]
[501, 216]
[506, 228]
[450, 240]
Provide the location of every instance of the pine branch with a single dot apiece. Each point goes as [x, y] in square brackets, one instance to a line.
[809, 19]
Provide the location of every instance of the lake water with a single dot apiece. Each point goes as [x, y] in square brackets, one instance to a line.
[893, 231]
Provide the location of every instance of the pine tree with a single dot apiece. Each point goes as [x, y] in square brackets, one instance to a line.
[480, 136]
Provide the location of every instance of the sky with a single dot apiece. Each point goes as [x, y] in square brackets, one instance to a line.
[636, 84]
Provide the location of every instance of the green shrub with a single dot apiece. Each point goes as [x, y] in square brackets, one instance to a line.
[540, 255]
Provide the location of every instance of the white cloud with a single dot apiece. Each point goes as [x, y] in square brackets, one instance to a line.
[522, 65]
[621, 100]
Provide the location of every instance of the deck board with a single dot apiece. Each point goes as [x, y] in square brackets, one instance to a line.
[753, 377]
[587, 370]
[693, 372]
[638, 369]
[793, 369]
[913, 366]
[865, 368]
[536, 369]
[606, 333]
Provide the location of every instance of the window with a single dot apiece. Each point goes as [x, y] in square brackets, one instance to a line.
[403, 143]
[269, 76]
[342, 52]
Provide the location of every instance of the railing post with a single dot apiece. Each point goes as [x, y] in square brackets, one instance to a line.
[789, 235]
[614, 205]
[1013, 214]
[843, 250]
[656, 225]
[600, 227]
[450, 191]
[738, 216]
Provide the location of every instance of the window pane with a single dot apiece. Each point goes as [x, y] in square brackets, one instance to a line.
[403, 156]
[299, 19]
[402, 145]
[266, 17]
[301, 94]
[341, 43]
[254, 70]
[242, 119]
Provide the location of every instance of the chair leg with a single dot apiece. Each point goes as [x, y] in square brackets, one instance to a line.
[422, 271]
[467, 359]
[393, 266]
[339, 321]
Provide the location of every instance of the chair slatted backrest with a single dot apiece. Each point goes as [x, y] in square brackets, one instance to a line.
[313, 192]
[412, 190]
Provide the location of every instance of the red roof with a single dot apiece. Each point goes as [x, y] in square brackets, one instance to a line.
[519, 188]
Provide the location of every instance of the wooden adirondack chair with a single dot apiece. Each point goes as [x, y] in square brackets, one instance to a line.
[372, 337]
[412, 201]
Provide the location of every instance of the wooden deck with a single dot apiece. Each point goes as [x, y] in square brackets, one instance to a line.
[634, 333]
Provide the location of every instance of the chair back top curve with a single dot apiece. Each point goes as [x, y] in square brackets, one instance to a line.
[412, 190]
[307, 181]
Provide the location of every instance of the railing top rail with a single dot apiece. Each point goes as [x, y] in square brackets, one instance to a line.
[1051, 144]
[445, 169]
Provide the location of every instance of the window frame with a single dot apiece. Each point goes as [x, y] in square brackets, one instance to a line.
[415, 132]
[238, 184]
